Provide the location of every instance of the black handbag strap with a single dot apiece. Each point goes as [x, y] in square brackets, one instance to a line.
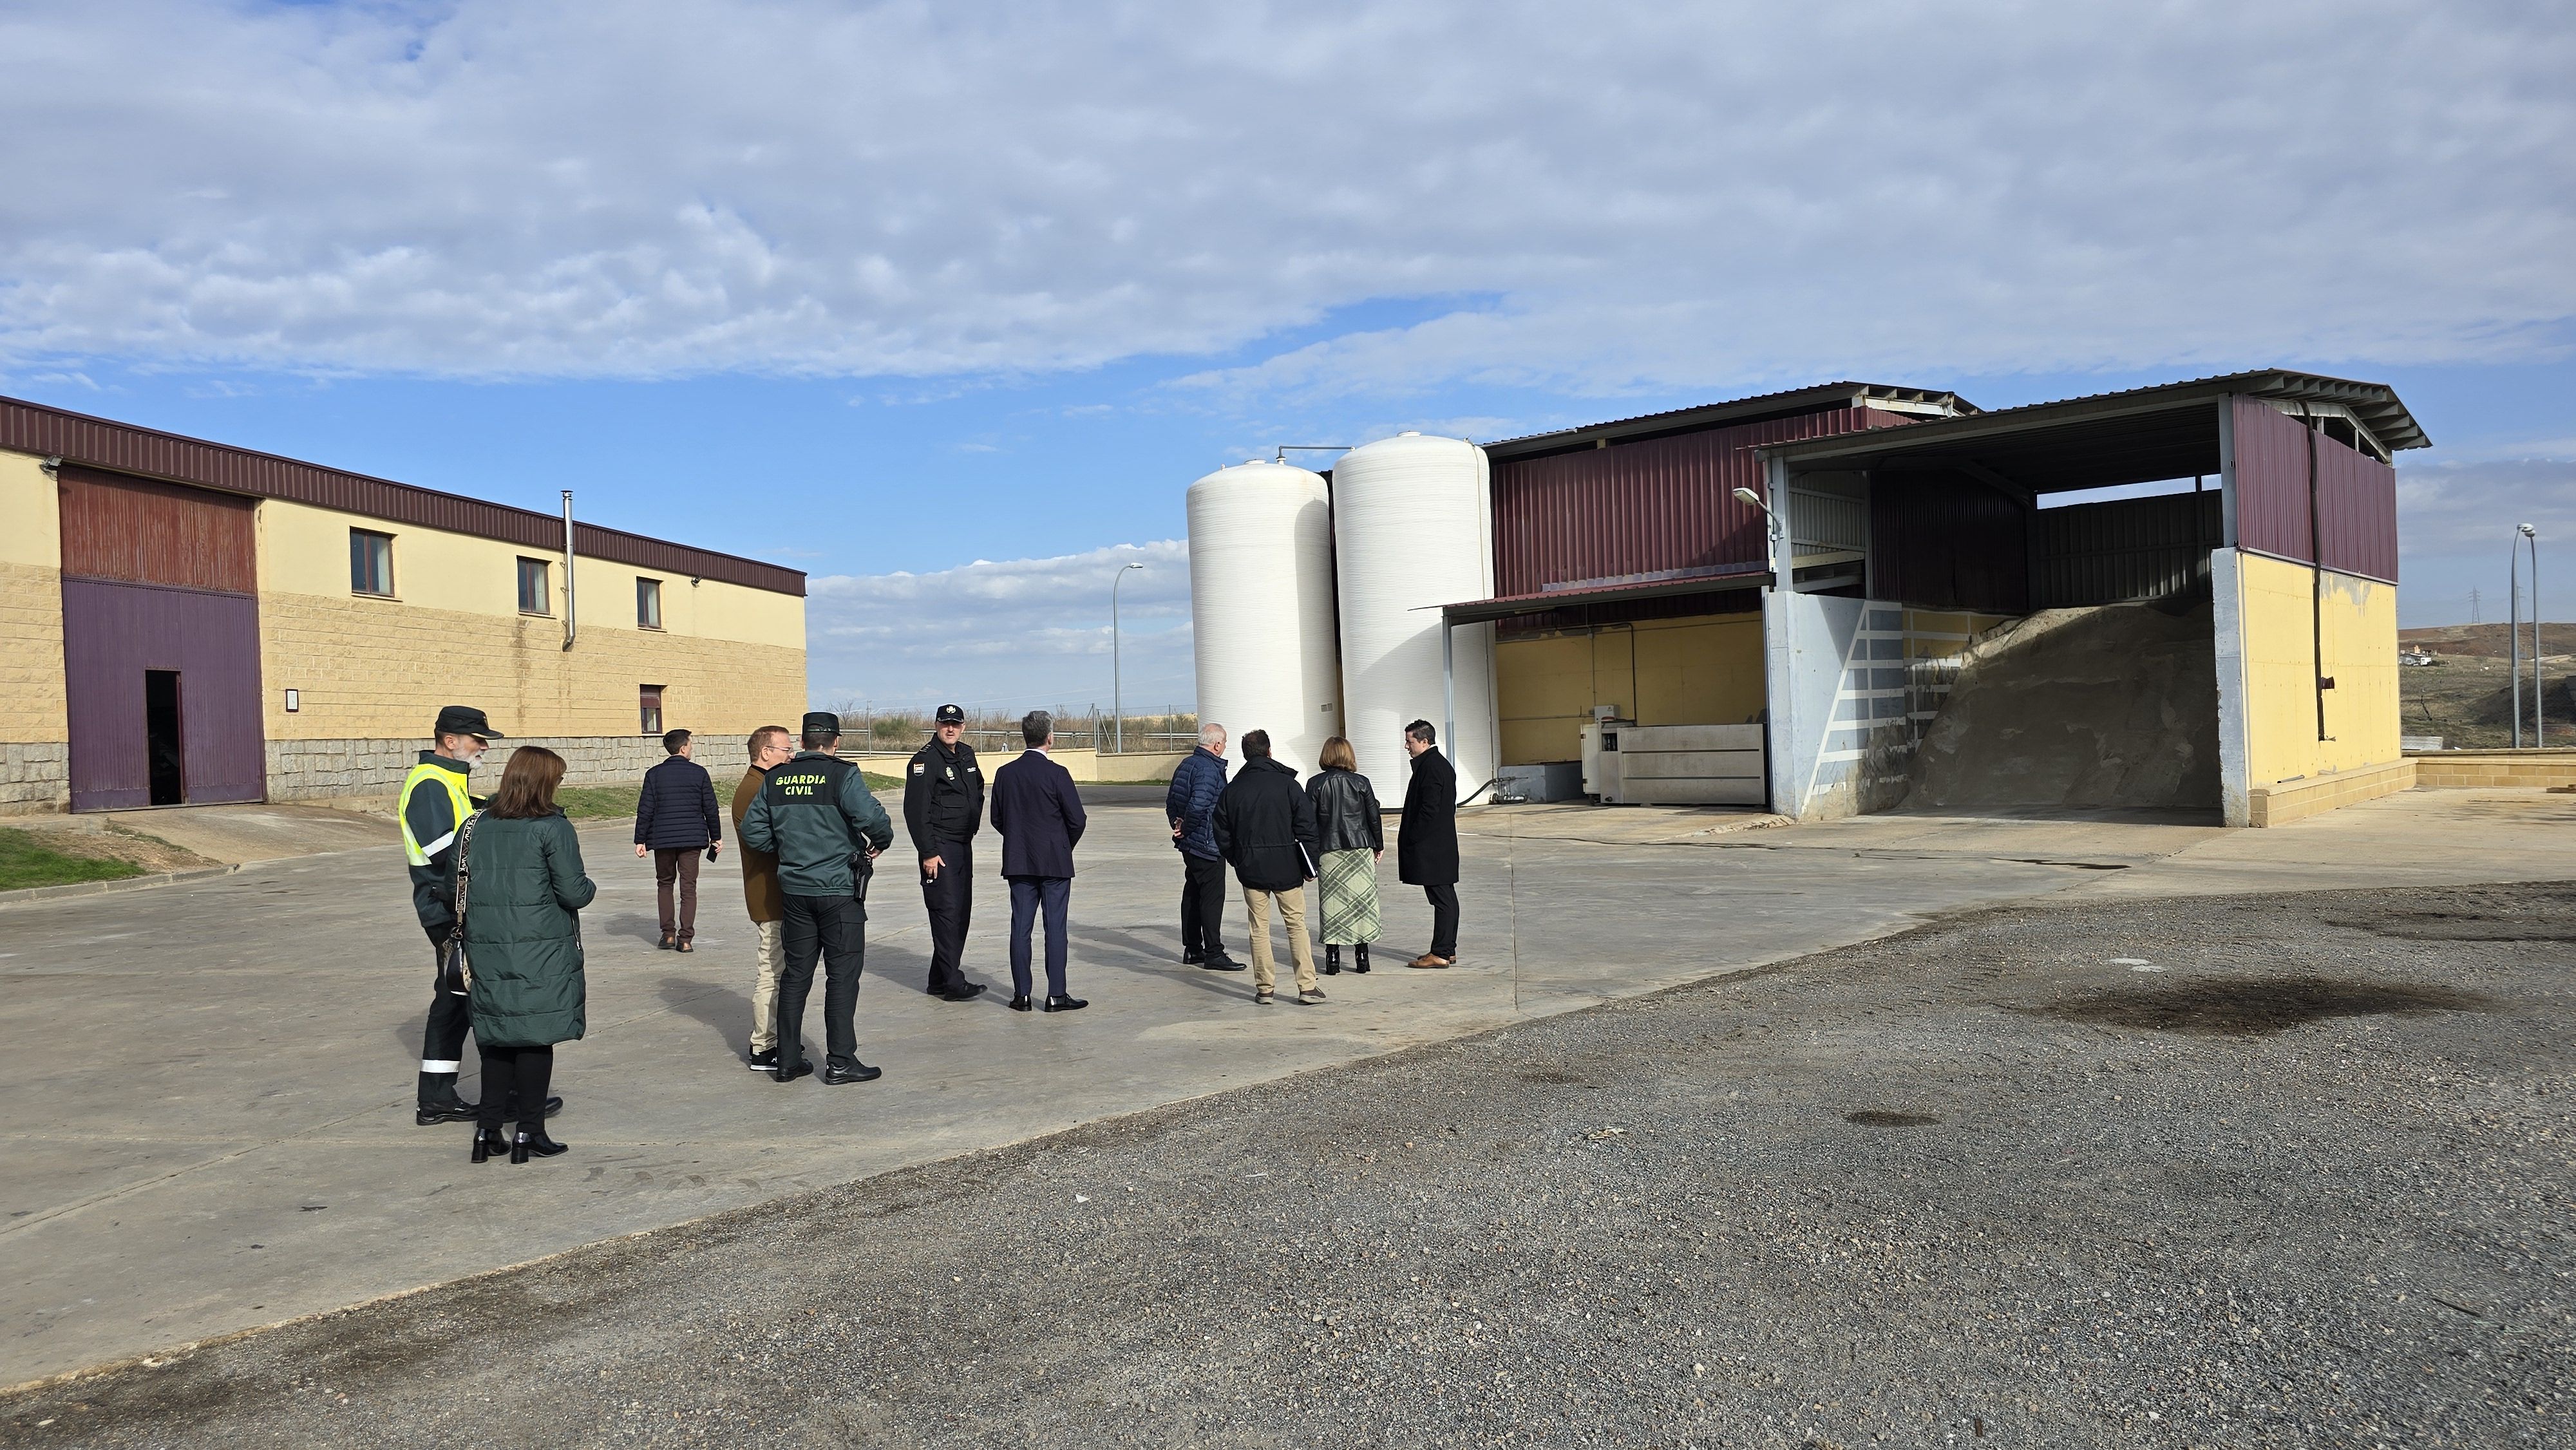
[464, 879]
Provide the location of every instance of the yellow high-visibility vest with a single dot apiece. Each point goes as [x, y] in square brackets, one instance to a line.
[453, 782]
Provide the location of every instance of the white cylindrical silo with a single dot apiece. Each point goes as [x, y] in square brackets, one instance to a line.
[1261, 609]
[1413, 529]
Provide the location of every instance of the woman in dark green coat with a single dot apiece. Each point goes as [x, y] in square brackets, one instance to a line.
[524, 885]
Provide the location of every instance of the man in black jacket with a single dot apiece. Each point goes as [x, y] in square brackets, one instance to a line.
[676, 818]
[943, 806]
[1265, 827]
[1426, 844]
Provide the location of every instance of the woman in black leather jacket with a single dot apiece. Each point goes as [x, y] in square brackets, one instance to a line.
[1353, 832]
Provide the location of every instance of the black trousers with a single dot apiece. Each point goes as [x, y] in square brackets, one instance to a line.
[1202, 906]
[833, 928]
[950, 899]
[1444, 919]
[442, 1043]
[513, 1076]
[1030, 895]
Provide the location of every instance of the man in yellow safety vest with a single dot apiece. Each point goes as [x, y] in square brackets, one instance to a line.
[434, 806]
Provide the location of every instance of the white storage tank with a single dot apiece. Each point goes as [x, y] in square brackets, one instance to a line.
[1413, 529]
[1261, 609]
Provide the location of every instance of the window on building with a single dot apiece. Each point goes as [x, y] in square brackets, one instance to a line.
[648, 701]
[648, 604]
[536, 589]
[371, 563]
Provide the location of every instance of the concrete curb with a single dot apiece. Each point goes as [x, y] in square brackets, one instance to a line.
[33, 895]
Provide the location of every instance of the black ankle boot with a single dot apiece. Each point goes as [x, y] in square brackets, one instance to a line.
[535, 1144]
[1359, 959]
[1332, 960]
[489, 1144]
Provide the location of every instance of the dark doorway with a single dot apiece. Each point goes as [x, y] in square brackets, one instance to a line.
[161, 736]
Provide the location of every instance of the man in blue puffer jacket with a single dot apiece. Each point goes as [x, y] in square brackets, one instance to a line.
[1191, 804]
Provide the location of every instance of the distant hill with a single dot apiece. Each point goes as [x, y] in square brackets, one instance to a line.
[2487, 639]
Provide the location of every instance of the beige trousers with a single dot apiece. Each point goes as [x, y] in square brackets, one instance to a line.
[1292, 910]
[764, 988]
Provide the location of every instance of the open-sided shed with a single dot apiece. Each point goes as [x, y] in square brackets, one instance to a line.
[2230, 646]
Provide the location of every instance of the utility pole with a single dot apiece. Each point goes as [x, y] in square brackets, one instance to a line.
[2473, 607]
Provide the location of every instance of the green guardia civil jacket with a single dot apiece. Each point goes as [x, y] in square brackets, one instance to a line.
[816, 814]
[522, 933]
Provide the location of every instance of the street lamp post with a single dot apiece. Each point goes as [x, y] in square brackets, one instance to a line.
[2524, 534]
[1117, 704]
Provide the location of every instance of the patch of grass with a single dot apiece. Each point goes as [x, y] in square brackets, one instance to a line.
[607, 802]
[598, 802]
[27, 861]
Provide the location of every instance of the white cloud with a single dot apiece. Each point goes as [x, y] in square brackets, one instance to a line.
[2455, 523]
[1018, 634]
[1642, 197]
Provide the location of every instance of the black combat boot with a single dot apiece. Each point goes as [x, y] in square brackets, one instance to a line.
[1359, 959]
[1332, 960]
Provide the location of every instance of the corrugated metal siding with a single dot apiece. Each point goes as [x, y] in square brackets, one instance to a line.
[1640, 508]
[2356, 503]
[112, 633]
[142, 532]
[2125, 549]
[2271, 482]
[2357, 511]
[124, 448]
[1941, 542]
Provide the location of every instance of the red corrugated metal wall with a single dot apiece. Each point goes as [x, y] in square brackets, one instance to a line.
[2356, 503]
[1643, 507]
[142, 532]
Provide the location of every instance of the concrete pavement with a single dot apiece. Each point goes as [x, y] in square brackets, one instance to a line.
[208, 1086]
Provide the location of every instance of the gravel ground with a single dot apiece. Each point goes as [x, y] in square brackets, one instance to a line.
[2288, 1170]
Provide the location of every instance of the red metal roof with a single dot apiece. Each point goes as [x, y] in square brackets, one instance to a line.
[149, 453]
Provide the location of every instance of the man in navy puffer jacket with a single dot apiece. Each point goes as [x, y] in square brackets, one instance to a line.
[1191, 804]
[676, 818]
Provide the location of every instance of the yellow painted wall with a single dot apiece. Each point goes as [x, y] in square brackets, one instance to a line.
[31, 604]
[2360, 641]
[1702, 670]
[729, 658]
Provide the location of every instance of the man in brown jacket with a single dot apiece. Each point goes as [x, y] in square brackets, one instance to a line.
[770, 746]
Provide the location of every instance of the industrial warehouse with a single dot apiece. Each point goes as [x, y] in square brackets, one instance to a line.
[188, 623]
[1841, 600]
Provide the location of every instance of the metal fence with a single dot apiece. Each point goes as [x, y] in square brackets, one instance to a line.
[1067, 737]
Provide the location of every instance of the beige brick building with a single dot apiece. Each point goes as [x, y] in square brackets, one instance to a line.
[184, 622]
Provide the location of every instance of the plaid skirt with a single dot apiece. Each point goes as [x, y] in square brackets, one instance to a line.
[1348, 884]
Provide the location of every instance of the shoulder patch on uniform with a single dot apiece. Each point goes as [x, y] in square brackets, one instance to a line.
[919, 767]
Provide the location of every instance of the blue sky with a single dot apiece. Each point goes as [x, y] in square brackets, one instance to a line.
[882, 292]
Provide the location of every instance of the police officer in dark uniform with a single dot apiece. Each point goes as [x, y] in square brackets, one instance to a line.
[816, 815]
[943, 805]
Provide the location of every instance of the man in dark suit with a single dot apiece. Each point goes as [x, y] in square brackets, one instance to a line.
[1039, 816]
[1426, 845]
[943, 804]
